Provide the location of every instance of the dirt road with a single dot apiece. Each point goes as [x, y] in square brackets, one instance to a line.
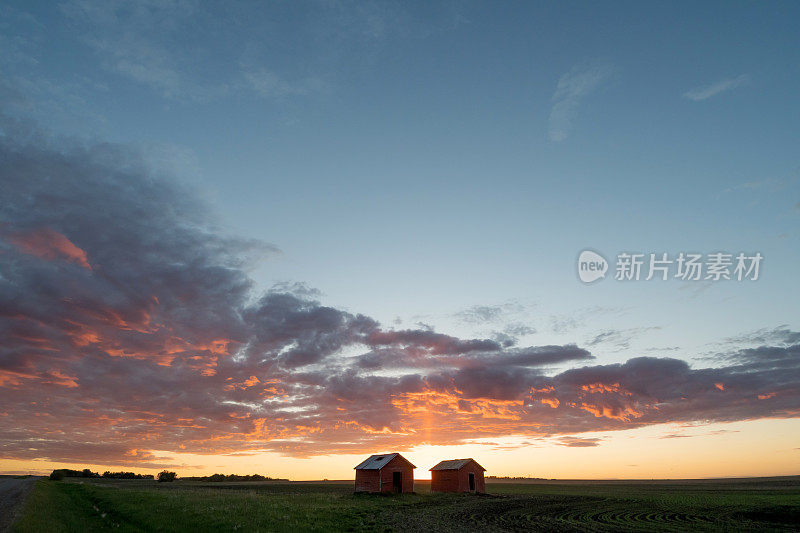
[12, 493]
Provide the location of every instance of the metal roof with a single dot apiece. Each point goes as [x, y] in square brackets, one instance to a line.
[455, 464]
[376, 462]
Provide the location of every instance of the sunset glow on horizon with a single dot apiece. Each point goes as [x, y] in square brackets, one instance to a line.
[661, 452]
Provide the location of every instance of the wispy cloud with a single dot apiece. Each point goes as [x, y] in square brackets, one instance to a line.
[707, 91]
[618, 338]
[148, 45]
[706, 434]
[269, 84]
[480, 314]
[571, 89]
[579, 318]
[138, 42]
[579, 442]
[779, 336]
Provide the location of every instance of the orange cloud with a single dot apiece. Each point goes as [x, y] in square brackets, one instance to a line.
[428, 403]
[11, 379]
[552, 402]
[249, 382]
[51, 245]
[59, 378]
[618, 413]
[593, 388]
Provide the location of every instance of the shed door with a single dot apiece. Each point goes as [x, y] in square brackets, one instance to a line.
[471, 482]
[397, 481]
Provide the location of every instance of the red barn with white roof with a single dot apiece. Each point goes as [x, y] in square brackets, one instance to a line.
[458, 475]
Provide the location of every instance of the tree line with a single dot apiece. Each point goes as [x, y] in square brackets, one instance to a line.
[61, 473]
[233, 477]
[164, 476]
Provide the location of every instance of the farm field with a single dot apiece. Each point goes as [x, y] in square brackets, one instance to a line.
[144, 505]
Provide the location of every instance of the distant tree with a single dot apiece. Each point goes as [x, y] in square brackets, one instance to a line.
[166, 476]
[126, 475]
[61, 473]
[57, 475]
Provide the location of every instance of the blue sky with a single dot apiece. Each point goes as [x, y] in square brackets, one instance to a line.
[442, 164]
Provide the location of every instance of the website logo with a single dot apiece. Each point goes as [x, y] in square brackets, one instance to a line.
[685, 266]
[591, 266]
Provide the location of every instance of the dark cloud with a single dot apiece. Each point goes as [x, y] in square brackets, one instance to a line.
[129, 325]
[510, 334]
[430, 341]
[648, 390]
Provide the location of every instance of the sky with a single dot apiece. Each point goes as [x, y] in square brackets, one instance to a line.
[278, 237]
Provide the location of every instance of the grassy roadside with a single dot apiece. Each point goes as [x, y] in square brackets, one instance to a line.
[86, 506]
[56, 507]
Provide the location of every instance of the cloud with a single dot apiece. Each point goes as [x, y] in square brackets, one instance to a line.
[571, 89]
[579, 442]
[707, 91]
[504, 317]
[579, 318]
[663, 349]
[780, 335]
[706, 434]
[190, 51]
[480, 314]
[137, 42]
[49, 244]
[510, 334]
[618, 338]
[129, 325]
[157, 45]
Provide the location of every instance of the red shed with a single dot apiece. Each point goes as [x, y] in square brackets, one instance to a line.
[458, 475]
[390, 472]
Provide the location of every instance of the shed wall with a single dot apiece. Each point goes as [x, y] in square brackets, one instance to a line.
[444, 481]
[367, 481]
[457, 480]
